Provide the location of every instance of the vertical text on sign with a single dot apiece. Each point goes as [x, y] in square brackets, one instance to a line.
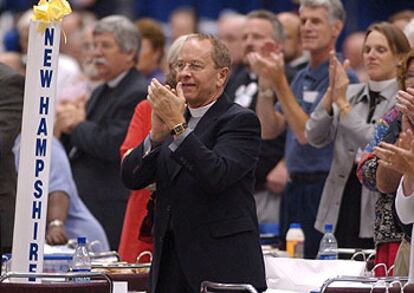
[46, 73]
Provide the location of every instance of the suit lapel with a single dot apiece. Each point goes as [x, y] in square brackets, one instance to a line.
[114, 92]
[207, 122]
[212, 115]
[94, 99]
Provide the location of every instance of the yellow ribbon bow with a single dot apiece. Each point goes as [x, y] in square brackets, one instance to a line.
[48, 11]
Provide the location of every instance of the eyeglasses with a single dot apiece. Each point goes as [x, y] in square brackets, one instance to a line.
[192, 66]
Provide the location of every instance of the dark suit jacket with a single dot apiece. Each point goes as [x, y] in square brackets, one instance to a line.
[272, 150]
[96, 161]
[205, 188]
[11, 105]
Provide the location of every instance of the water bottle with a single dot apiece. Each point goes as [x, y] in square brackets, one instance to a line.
[81, 261]
[328, 247]
[5, 263]
[295, 240]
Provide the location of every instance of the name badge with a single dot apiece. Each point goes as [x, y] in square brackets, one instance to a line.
[310, 96]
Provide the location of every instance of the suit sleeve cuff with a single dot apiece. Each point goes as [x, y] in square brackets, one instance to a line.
[149, 145]
[179, 140]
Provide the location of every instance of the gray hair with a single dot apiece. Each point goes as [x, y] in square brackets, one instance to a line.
[172, 56]
[335, 8]
[125, 32]
[175, 48]
[220, 53]
[278, 32]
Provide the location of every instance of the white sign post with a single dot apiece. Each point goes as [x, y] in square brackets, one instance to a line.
[36, 139]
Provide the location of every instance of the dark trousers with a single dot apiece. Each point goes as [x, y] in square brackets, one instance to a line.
[300, 205]
[347, 228]
[171, 278]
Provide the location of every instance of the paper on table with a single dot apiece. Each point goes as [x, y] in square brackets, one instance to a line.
[281, 291]
[120, 287]
[59, 249]
[303, 275]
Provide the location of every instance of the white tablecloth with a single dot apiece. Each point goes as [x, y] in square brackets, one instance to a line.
[287, 275]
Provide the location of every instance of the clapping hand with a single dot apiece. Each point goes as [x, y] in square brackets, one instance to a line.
[69, 114]
[268, 65]
[399, 157]
[269, 69]
[168, 106]
[405, 103]
[338, 79]
[338, 84]
[406, 123]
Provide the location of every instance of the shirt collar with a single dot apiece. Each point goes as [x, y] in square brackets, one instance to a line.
[389, 88]
[379, 86]
[318, 73]
[304, 58]
[200, 111]
[115, 82]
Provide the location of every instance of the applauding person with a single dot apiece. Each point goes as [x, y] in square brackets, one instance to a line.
[400, 158]
[308, 166]
[347, 116]
[205, 225]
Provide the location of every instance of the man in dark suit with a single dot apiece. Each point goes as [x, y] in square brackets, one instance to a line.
[11, 105]
[205, 225]
[97, 132]
[262, 32]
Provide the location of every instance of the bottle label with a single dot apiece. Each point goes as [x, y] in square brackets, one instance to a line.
[295, 248]
[81, 270]
[328, 256]
[81, 279]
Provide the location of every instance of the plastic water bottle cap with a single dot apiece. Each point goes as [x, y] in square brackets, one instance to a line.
[81, 240]
[294, 225]
[328, 228]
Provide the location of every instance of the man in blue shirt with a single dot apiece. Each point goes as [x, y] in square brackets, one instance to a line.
[308, 167]
[67, 216]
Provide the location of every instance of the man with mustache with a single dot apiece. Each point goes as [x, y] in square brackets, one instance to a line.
[97, 131]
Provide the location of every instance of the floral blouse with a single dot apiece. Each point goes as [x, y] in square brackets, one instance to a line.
[386, 227]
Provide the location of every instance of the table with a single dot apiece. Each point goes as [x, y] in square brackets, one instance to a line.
[98, 286]
[136, 282]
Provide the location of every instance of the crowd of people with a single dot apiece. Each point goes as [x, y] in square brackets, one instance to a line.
[183, 146]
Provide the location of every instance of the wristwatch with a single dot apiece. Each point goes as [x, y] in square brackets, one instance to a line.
[55, 223]
[179, 129]
[268, 93]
